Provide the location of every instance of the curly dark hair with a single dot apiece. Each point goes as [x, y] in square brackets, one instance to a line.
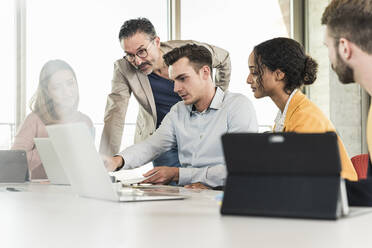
[288, 56]
[132, 26]
[197, 55]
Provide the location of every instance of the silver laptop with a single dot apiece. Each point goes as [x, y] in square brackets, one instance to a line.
[13, 166]
[50, 160]
[85, 169]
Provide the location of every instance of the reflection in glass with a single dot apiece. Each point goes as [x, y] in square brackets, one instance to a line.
[55, 101]
[237, 26]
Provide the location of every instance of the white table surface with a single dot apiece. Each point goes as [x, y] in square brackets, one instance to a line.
[43, 215]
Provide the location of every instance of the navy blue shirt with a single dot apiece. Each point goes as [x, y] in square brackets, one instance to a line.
[164, 96]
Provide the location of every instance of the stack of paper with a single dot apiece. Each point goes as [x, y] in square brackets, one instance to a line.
[132, 176]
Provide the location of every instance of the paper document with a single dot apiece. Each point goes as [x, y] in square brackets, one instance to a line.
[132, 176]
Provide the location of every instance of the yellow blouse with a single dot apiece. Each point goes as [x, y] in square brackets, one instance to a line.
[303, 116]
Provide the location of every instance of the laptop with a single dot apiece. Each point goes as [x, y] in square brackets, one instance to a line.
[13, 166]
[50, 160]
[283, 175]
[86, 171]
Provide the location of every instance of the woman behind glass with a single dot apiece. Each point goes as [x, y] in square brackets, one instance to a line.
[54, 102]
[278, 68]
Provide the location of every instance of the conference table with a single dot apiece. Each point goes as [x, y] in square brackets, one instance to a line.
[44, 215]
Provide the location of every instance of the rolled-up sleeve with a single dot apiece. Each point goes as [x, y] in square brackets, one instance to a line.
[211, 176]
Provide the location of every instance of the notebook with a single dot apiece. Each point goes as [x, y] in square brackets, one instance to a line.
[132, 176]
[284, 175]
[85, 169]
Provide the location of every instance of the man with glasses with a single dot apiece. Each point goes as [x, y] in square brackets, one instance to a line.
[143, 72]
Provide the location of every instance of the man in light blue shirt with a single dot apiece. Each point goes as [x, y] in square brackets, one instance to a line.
[195, 124]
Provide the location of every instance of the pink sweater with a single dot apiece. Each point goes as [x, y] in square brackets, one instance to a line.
[32, 128]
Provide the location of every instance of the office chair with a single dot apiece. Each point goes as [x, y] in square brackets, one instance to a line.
[360, 193]
[360, 163]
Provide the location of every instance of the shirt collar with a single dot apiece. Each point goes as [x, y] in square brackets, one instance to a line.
[215, 104]
[280, 117]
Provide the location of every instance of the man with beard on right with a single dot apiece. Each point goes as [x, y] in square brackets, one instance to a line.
[348, 37]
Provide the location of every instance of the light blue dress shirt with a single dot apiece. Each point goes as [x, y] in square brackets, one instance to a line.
[198, 135]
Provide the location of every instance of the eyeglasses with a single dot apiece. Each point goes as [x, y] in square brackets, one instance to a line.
[140, 54]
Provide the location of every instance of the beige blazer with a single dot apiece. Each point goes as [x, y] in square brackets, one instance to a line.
[127, 80]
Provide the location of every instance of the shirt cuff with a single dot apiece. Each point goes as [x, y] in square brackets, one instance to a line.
[127, 159]
[122, 165]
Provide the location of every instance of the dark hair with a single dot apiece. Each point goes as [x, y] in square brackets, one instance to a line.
[350, 19]
[288, 56]
[198, 56]
[131, 27]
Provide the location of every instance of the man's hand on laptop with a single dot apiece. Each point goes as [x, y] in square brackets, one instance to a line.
[162, 175]
[113, 163]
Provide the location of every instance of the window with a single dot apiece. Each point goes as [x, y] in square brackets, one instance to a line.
[7, 64]
[85, 34]
[238, 26]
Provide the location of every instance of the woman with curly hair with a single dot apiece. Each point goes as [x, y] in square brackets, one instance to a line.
[279, 68]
